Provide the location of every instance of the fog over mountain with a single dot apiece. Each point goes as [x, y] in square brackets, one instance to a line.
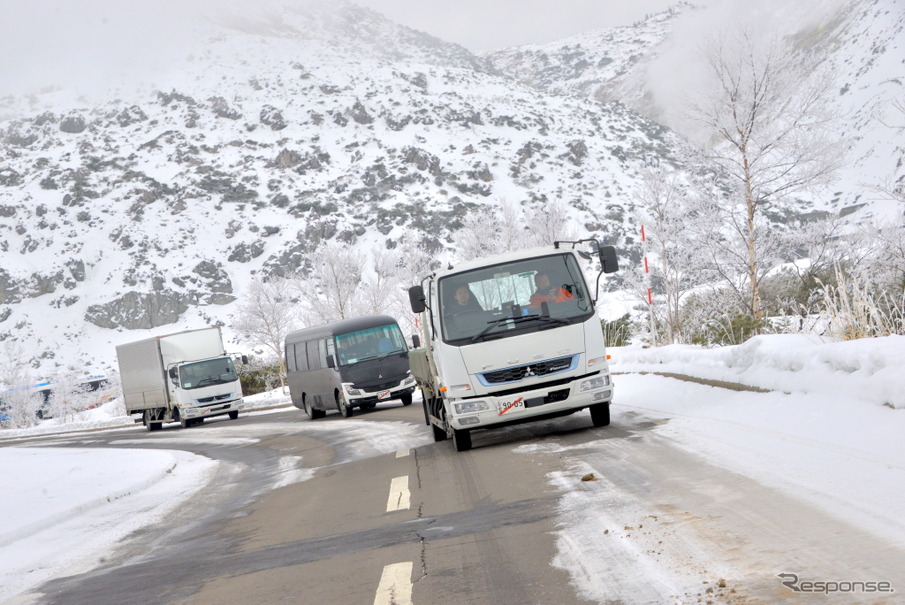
[142, 196]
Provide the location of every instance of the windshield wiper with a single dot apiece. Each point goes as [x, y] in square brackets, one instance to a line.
[496, 322]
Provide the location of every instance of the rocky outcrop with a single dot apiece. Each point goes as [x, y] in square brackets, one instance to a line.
[139, 310]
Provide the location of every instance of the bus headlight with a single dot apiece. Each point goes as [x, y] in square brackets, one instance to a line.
[592, 384]
[469, 407]
[350, 389]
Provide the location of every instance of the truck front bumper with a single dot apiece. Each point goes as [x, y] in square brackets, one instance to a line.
[405, 387]
[487, 411]
[212, 409]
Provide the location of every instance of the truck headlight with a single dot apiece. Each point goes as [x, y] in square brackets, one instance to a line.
[592, 384]
[409, 380]
[468, 407]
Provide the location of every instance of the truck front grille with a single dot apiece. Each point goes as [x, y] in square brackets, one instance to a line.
[214, 398]
[543, 368]
[383, 386]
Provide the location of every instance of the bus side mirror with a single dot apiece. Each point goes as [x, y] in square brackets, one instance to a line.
[331, 363]
[608, 260]
[416, 341]
[416, 299]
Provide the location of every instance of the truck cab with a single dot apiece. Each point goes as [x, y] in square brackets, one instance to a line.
[511, 338]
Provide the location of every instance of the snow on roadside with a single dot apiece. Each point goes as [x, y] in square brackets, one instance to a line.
[868, 370]
[73, 505]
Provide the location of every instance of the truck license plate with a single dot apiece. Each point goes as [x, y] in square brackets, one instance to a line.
[383, 394]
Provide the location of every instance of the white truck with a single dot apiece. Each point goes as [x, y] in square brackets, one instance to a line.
[183, 377]
[511, 338]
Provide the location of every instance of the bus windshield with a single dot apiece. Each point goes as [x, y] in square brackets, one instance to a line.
[207, 373]
[370, 343]
[513, 298]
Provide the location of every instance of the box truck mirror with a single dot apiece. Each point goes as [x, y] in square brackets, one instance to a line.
[416, 341]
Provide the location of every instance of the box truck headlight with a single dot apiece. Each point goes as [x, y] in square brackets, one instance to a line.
[351, 390]
[598, 382]
[408, 380]
[469, 407]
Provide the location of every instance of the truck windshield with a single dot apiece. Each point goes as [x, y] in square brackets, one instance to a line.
[207, 373]
[503, 300]
[370, 343]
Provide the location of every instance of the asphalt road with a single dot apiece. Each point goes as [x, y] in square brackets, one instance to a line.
[426, 525]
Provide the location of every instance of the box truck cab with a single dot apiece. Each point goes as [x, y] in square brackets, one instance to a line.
[353, 363]
[512, 338]
[183, 377]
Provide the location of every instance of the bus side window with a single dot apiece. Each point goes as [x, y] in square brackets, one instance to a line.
[313, 361]
[322, 352]
[290, 358]
[301, 360]
[331, 349]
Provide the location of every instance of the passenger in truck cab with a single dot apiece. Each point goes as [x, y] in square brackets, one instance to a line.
[546, 292]
[463, 301]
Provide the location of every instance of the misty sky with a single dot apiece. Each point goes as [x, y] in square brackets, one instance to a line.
[490, 24]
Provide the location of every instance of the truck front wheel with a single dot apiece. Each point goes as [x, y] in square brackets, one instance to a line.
[234, 414]
[462, 439]
[600, 414]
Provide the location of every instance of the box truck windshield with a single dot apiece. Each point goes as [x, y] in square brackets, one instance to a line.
[514, 298]
[207, 373]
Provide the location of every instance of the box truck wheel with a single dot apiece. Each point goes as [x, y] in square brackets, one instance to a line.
[462, 439]
[146, 419]
[600, 414]
[406, 399]
[234, 414]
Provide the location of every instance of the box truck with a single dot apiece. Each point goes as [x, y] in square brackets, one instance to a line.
[512, 338]
[183, 377]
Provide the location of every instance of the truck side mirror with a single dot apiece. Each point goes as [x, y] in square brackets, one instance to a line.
[417, 299]
[245, 360]
[173, 374]
[608, 260]
[416, 341]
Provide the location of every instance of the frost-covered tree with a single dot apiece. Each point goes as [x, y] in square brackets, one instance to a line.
[18, 401]
[665, 210]
[415, 259]
[266, 315]
[490, 229]
[69, 396]
[505, 226]
[765, 111]
[329, 292]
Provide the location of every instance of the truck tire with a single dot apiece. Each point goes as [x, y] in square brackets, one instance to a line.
[462, 439]
[406, 399]
[600, 414]
[439, 434]
[234, 414]
[146, 420]
[343, 404]
[427, 419]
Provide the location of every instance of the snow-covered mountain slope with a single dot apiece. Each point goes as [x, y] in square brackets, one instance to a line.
[154, 209]
[651, 65]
